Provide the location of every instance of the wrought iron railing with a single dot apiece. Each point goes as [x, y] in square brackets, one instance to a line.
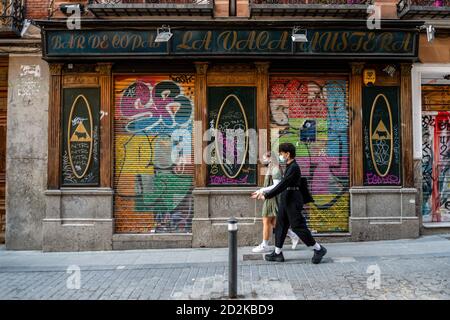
[150, 1]
[430, 3]
[423, 8]
[312, 2]
[12, 15]
[101, 8]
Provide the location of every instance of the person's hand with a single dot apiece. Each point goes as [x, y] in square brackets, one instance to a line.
[255, 195]
[261, 196]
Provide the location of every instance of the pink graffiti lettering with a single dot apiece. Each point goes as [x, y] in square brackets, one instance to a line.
[374, 179]
[226, 180]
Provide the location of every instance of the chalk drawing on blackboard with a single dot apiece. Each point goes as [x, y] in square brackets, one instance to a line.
[79, 143]
[381, 141]
[80, 134]
[226, 167]
[381, 133]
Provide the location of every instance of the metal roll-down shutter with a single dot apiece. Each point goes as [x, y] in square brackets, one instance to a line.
[153, 162]
[313, 115]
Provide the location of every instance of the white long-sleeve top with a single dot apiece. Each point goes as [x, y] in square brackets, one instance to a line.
[265, 189]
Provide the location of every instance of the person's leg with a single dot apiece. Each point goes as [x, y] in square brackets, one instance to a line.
[299, 226]
[291, 234]
[267, 228]
[302, 231]
[282, 226]
[280, 235]
[264, 245]
[294, 238]
[273, 222]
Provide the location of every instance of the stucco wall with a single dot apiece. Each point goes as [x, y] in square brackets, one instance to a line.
[26, 161]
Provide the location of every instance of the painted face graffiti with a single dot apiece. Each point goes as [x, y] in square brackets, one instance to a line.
[314, 118]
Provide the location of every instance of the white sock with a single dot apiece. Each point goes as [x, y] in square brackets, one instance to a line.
[277, 250]
[265, 243]
[316, 246]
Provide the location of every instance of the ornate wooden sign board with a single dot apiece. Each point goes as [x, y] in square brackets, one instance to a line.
[321, 42]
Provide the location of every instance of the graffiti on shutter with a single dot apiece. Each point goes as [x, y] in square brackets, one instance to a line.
[436, 166]
[313, 115]
[154, 165]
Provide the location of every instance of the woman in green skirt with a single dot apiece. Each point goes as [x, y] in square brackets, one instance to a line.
[270, 206]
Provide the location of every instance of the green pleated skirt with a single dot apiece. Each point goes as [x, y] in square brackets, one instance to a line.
[270, 208]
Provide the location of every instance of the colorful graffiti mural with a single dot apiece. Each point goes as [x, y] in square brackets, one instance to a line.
[153, 153]
[436, 166]
[313, 116]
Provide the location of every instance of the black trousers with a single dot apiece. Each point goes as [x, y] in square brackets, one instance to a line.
[297, 222]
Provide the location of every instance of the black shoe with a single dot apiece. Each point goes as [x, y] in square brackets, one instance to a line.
[318, 255]
[274, 257]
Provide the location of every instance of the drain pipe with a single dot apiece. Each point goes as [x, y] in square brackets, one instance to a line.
[232, 8]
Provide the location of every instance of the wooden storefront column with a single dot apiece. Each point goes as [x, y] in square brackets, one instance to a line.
[406, 121]
[106, 169]
[54, 127]
[356, 131]
[262, 110]
[200, 122]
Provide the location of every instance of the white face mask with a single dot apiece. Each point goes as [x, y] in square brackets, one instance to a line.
[282, 159]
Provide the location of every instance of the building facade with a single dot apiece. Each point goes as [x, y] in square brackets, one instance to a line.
[138, 136]
[23, 125]
[431, 89]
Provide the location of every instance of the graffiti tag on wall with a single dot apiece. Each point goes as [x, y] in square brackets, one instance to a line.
[436, 166]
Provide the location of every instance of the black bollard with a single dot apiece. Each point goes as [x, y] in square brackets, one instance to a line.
[232, 258]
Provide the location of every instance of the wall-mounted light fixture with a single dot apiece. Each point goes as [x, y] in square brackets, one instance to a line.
[299, 34]
[26, 25]
[430, 31]
[163, 34]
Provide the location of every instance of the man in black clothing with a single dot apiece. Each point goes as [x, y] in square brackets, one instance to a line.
[290, 208]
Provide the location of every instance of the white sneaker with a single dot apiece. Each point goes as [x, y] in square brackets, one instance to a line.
[261, 249]
[294, 242]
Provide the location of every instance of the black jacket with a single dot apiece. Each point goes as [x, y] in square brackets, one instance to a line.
[288, 189]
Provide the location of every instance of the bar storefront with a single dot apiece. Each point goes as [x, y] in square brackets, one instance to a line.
[123, 107]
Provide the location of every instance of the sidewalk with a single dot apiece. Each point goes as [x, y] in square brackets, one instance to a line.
[408, 269]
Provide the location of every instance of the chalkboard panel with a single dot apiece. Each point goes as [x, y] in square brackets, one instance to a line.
[381, 136]
[232, 119]
[80, 158]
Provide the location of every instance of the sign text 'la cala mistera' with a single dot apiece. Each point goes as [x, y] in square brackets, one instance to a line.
[225, 42]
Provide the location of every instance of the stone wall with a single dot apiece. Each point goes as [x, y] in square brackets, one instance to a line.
[213, 207]
[78, 220]
[383, 214]
[26, 161]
